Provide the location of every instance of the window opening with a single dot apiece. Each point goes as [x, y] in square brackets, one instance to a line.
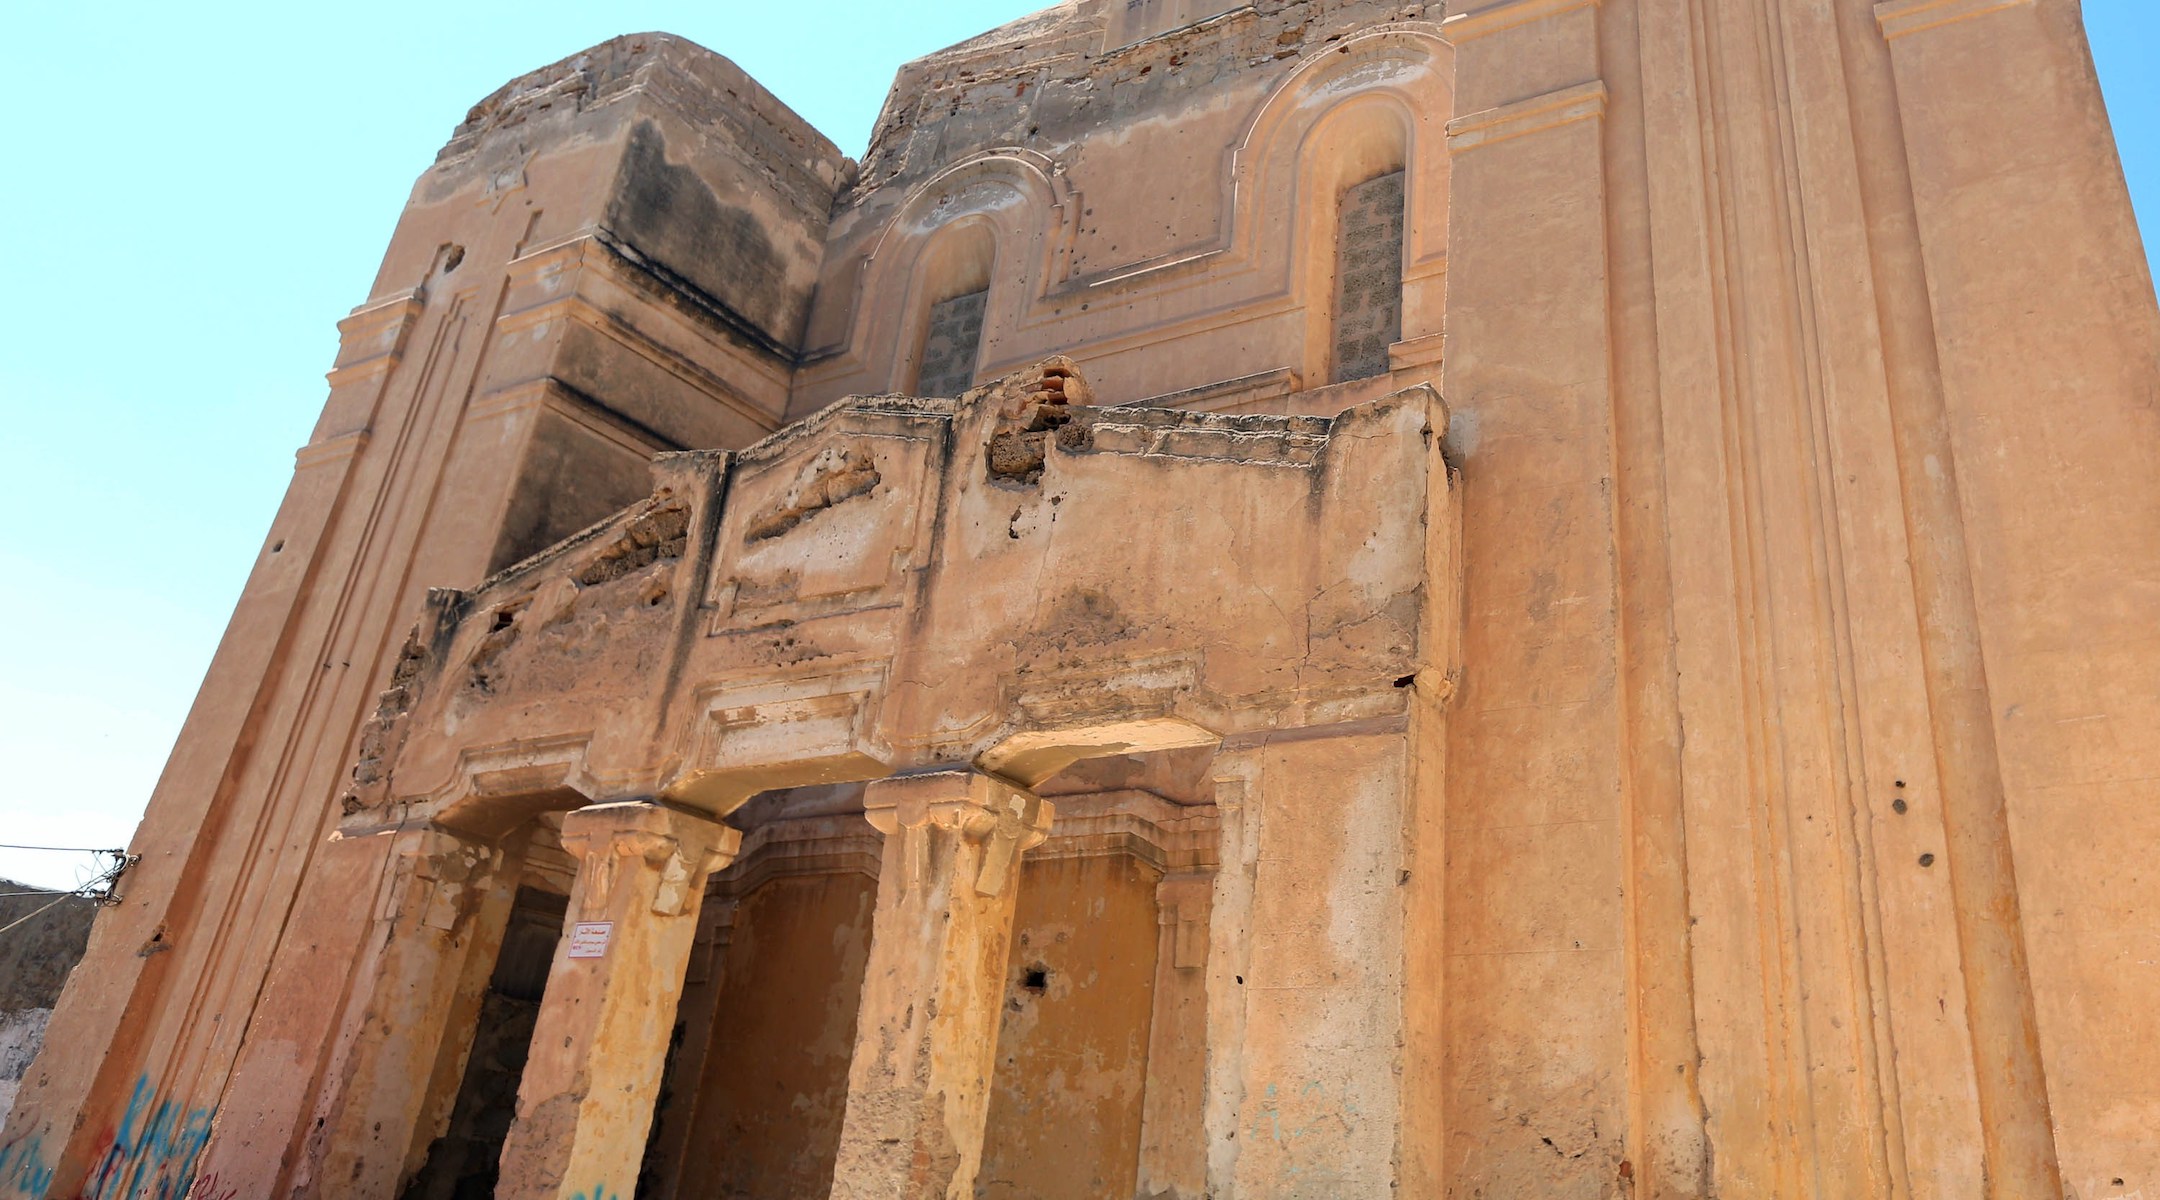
[950, 345]
[1368, 276]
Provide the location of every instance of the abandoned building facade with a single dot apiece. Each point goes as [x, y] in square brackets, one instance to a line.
[1314, 598]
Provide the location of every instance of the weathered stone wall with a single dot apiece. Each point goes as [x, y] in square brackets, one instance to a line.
[1677, 779]
[1163, 207]
[765, 1116]
[1072, 1055]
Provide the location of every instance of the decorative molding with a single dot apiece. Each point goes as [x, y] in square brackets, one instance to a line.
[748, 737]
[1479, 22]
[528, 768]
[826, 845]
[1172, 838]
[1227, 393]
[1581, 102]
[1897, 18]
[1415, 352]
[373, 336]
[575, 306]
[553, 395]
[1132, 689]
[340, 448]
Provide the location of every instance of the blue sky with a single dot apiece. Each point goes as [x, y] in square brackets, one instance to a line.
[198, 192]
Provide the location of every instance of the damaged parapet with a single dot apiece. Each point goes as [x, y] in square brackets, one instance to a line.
[855, 536]
[949, 594]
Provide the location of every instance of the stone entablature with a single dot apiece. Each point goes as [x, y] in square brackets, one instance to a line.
[861, 595]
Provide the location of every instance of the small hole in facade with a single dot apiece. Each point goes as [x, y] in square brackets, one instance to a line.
[277, 546]
[1406, 681]
[1927, 860]
[1037, 980]
[1898, 805]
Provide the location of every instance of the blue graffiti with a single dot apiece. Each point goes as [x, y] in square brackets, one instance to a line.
[23, 1169]
[153, 1153]
[599, 1192]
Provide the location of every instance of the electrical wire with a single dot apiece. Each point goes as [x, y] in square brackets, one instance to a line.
[98, 890]
[39, 911]
[61, 849]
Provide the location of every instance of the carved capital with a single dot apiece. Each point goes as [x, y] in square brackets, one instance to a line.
[684, 848]
[978, 808]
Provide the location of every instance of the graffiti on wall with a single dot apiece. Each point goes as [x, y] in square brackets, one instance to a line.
[23, 1169]
[151, 1155]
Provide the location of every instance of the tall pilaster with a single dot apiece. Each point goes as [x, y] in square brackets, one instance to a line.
[933, 993]
[1173, 1144]
[1307, 961]
[439, 926]
[1536, 823]
[2037, 357]
[585, 1104]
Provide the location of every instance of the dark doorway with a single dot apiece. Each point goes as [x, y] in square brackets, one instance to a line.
[462, 1164]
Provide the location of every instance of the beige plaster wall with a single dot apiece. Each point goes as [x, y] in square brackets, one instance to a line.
[1072, 1057]
[766, 1111]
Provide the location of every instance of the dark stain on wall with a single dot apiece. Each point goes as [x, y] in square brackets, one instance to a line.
[671, 217]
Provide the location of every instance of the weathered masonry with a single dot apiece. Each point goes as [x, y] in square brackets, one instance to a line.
[992, 671]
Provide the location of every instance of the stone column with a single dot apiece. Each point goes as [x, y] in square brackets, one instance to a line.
[586, 1102]
[919, 1086]
[439, 924]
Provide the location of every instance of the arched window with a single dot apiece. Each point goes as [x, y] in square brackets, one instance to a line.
[1354, 201]
[1368, 276]
[955, 269]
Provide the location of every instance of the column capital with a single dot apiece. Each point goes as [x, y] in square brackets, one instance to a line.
[684, 846]
[976, 806]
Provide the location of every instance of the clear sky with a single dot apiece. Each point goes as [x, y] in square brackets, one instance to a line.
[199, 192]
